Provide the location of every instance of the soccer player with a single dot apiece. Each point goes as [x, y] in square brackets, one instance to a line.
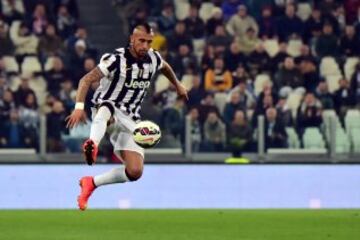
[124, 76]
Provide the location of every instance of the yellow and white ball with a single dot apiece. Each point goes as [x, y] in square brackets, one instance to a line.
[147, 134]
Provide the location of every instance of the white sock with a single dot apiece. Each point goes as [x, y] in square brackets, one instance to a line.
[115, 175]
[99, 124]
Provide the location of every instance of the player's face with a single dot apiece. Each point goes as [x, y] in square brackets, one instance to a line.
[141, 42]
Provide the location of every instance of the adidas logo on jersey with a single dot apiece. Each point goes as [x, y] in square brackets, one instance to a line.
[137, 84]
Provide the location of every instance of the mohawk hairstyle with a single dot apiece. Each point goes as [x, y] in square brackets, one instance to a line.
[143, 26]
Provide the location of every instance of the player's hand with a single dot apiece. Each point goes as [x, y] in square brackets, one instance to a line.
[76, 117]
[182, 91]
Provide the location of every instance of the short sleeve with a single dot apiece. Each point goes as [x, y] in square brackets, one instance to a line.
[108, 63]
[159, 60]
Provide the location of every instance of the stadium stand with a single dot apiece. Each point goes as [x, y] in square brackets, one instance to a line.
[279, 53]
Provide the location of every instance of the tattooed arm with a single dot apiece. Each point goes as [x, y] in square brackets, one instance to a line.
[78, 115]
[169, 73]
[85, 82]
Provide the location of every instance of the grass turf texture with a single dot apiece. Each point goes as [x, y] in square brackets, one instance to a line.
[180, 224]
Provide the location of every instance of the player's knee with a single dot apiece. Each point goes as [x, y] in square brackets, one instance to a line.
[103, 114]
[134, 173]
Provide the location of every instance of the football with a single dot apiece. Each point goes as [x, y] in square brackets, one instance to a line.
[147, 134]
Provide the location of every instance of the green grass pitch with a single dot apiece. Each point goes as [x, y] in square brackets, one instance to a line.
[180, 224]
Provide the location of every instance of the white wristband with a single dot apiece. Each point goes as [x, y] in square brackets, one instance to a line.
[79, 105]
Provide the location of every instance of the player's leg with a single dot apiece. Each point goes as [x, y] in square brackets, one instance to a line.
[131, 170]
[97, 132]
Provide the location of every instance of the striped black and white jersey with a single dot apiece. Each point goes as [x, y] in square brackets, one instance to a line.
[126, 79]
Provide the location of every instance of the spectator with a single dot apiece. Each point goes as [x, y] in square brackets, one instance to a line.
[67, 95]
[229, 8]
[218, 78]
[207, 60]
[259, 61]
[180, 37]
[327, 44]
[140, 16]
[87, 65]
[220, 38]
[7, 104]
[288, 76]
[357, 24]
[166, 99]
[185, 61]
[12, 10]
[23, 90]
[290, 25]
[234, 57]
[305, 54]
[246, 97]
[351, 8]
[207, 105]
[237, 102]
[56, 76]
[214, 133]
[309, 113]
[327, 6]
[56, 127]
[280, 56]
[267, 90]
[325, 97]
[40, 19]
[248, 41]
[196, 26]
[215, 20]
[339, 15]
[314, 23]
[239, 134]
[262, 105]
[80, 34]
[50, 43]
[275, 134]
[173, 120]
[159, 41]
[241, 22]
[167, 20]
[7, 46]
[284, 113]
[267, 24]
[241, 75]
[195, 129]
[71, 5]
[349, 44]
[78, 57]
[344, 98]
[196, 93]
[13, 134]
[25, 42]
[355, 83]
[310, 74]
[30, 120]
[3, 85]
[29, 112]
[66, 24]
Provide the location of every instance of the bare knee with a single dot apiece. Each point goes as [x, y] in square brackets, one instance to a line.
[134, 172]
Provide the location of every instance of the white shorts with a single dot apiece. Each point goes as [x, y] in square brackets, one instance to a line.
[121, 132]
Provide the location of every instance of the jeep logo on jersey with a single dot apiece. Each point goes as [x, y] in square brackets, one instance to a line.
[139, 76]
[137, 84]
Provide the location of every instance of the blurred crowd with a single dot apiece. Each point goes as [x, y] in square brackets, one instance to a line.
[44, 51]
[285, 60]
